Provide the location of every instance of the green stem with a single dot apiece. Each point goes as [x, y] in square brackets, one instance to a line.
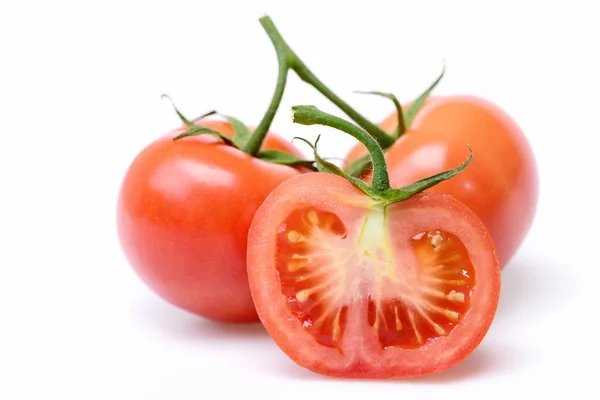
[306, 75]
[310, 115]
[254, 144]
[289, 60]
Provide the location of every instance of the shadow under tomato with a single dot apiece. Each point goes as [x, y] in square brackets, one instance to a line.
[529, 287]
[488, 359]
[285, 367]
[165, 319]
[533, 287]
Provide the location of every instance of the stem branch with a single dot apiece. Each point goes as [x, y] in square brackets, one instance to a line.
[289, 60]
[306, 75]
[310, 115]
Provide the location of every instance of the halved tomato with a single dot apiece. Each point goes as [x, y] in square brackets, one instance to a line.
[349, 287]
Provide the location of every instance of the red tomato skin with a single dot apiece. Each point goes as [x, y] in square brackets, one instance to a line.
[324, 190]
[500, 185]
[183, 214]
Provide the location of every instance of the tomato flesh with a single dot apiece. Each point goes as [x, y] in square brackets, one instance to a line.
[316, 266]
[305, 267]
[349, 287]
[442, 295]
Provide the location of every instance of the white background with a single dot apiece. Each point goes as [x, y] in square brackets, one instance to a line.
[80, 88]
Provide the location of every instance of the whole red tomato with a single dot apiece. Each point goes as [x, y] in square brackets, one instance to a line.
[500, 185]
[184, 211]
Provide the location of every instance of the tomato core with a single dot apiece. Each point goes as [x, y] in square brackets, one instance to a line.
[413, 297]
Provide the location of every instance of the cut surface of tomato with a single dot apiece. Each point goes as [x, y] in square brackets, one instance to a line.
[350, 287]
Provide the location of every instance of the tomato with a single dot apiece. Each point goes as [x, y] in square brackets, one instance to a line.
[501, 185]
[347, 287]
[184, 211]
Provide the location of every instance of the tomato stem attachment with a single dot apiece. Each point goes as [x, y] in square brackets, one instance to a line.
[380, 189]
[311, 115]
[287, 60]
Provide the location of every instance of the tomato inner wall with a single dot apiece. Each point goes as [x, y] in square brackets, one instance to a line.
[316, 266]
[437, 298]
[303, 282]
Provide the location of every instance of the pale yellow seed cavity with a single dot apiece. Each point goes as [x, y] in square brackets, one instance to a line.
[436, 241]
[453, 315]
[302, 295]
[439, 330]
[313, 217]
[294, 236]
[457, 297]
[433, 292]
[398, 322]
[295, 265]
[411, 317]
[336, 330]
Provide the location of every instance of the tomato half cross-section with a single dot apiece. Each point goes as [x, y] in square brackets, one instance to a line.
[356, 286]
[347, 288]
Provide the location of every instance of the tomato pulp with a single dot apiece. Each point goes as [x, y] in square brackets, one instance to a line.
[349, 287]
[183, 215]
[501, 184]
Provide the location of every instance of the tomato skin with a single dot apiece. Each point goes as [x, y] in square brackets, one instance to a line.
[500, 185]
[360, 357]
[183, 215]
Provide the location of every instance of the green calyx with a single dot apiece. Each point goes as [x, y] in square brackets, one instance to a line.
[241, 136]
[380, 189]
[401, 124]
[405, 120]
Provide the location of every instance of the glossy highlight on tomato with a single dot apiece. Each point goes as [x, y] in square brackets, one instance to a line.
[501, 185]
[183, 215]
[349, 287]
